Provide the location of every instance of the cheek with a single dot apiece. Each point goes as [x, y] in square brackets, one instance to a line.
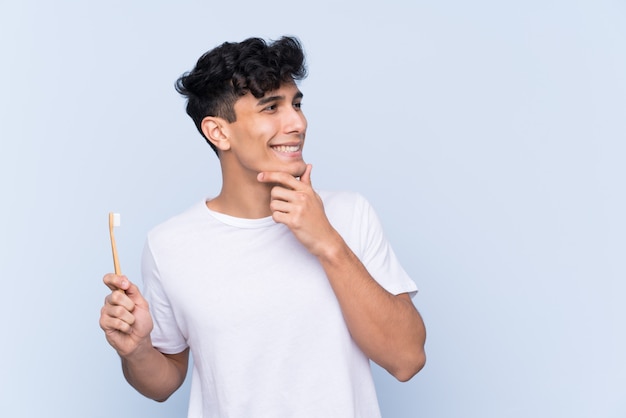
[266, 131]
[260, 130]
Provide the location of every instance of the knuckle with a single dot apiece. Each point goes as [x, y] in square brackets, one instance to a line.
[117, 297]
[122, 326]
[117, 311]
[277, 216]
[112, 298]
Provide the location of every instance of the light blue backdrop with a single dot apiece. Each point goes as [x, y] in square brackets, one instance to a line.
[490, 136]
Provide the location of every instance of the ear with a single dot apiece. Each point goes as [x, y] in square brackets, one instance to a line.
[216, 130]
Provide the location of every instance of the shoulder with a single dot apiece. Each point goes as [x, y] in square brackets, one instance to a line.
[342, 200]
[348, 211]
[179, 225]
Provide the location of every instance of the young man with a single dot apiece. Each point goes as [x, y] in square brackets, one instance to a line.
[281, 293]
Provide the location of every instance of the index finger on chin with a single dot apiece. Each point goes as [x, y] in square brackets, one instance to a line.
[278, 177]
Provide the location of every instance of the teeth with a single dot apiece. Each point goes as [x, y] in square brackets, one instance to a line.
[287, 148]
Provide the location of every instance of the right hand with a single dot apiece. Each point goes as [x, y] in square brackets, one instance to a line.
[125, 318]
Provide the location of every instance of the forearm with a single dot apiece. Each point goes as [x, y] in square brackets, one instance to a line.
[154, 374]
[387, 327]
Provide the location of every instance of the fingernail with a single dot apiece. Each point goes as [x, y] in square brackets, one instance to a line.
[260, 176]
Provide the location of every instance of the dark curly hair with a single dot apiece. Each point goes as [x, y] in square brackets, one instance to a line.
[231, 70]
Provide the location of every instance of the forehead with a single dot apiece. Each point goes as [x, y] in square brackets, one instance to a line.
[286, 91]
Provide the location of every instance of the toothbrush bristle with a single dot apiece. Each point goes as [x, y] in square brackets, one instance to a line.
[116, 219]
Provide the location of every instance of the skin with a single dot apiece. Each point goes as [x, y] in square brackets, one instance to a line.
[264, 174]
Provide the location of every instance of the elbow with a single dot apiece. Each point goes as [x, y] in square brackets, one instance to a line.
[161, 397]
[410, 367]
[158, 396]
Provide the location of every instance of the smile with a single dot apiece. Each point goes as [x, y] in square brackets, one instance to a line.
[286, 148]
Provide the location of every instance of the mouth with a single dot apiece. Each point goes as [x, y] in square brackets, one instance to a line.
[287, 148]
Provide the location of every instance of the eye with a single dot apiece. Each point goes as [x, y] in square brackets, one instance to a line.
[270, 108]
[298, 105]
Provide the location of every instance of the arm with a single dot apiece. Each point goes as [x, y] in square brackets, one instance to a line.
[127, 324]
[386, 327]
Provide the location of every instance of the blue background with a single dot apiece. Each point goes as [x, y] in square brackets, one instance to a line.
[490, 137]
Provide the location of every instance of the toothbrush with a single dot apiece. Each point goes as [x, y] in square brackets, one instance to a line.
[114, 220]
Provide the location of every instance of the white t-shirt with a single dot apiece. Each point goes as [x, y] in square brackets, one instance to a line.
[264, 327]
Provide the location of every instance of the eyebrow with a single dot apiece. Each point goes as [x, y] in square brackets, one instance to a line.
[269, 99]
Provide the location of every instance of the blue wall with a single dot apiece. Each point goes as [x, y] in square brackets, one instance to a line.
[490, 138]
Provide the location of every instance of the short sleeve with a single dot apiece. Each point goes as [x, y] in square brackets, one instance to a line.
[166, 335]
[377, 254]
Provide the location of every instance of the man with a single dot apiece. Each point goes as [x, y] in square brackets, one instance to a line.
[282, 294]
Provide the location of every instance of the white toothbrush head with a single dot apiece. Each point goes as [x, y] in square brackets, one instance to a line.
[114, 220]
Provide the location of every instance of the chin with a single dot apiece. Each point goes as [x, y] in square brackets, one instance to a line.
[293, 168]
[297, 172]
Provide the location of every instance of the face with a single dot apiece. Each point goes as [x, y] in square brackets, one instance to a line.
[268, 134]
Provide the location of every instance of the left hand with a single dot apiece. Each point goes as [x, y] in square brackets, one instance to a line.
[294, 203]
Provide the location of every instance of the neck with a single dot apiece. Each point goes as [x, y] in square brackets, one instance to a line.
[242, 196]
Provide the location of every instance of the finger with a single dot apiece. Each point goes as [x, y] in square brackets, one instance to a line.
[279, 177]
[282, 193]
[116, 318]
[306, 177]
[119, 298]
[134, 295]
[111, 324]
[117, 313]
[280, 206]
[115, 282]
[281, 217]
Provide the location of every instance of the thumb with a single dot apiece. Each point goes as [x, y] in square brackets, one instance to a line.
[306, 176]
[135, 295]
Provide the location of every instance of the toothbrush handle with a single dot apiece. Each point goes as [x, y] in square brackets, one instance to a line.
[116, 262]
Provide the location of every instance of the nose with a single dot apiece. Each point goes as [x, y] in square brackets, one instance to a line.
[296, 121]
